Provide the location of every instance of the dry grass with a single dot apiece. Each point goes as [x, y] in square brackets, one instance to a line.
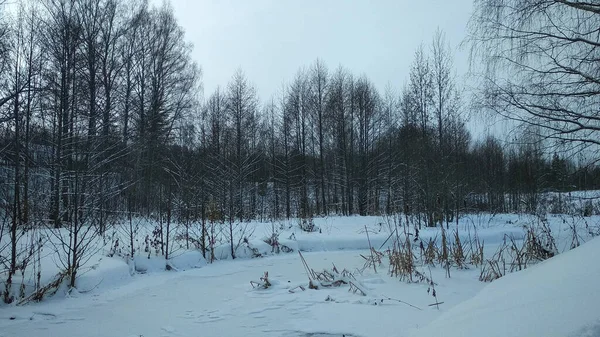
[328, 278]
[491, 270]
[263, 282]
[476, 250]
[372, 260]
[402, 261]
[431, 252]
[458, 252]
[539, 245]
[48, 290]
[514, 254]
[444, 253]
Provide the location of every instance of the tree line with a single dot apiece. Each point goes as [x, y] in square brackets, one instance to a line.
[102, 115]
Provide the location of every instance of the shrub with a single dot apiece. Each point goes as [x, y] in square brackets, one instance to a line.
[308, 225]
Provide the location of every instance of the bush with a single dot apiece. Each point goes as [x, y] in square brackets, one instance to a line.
[588, 208]
[308, 225]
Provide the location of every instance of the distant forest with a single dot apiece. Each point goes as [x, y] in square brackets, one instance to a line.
[103, 117]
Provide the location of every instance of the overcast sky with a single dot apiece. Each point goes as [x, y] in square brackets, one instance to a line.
[271, 39]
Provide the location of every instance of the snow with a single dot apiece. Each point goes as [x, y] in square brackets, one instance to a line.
[218, 300]
[116, 296]
[186, 260]
[558, 297]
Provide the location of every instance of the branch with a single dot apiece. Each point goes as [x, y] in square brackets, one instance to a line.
[584, 6]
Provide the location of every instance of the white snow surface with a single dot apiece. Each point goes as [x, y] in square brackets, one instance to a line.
[116, 297]
[218, 300]
[558, 297]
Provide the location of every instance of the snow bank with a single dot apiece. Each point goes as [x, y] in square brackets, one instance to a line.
[187, 260]
[107, 273]
[558, 297]
[244, 251]
[349, 234]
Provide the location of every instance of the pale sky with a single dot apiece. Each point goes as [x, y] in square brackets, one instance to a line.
[271, 39]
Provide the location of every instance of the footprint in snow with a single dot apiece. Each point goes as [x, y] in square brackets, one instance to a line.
[169, 330]
[207, 316]
[209, 319]
[58, 322]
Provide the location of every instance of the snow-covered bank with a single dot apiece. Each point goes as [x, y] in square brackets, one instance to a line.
[558, 297]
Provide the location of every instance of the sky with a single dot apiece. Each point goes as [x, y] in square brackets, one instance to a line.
[270, 40]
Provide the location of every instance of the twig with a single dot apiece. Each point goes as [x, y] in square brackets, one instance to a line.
[403, 302]
[434, 293]
[389, 237]
[309, 272]
[292, 290]
[371, 250]
[355, 288]
[46, 314]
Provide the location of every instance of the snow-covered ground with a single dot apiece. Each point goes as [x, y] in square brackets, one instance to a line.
[558, 297]
[112, 299]
[219, 301]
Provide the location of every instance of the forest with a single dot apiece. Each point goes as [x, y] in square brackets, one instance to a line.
[103, 118]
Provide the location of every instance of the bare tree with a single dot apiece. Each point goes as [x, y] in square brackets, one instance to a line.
[421, 89]
[390, 118]
[298, 117]
[284, 162]
[419, 104]
[7, 91]
[443, 83]
[367, 118]
[319, 90]
[241, 111]
[446, 113]
[540, 66]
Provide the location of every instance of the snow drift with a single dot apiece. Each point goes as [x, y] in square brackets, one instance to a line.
[558, 297]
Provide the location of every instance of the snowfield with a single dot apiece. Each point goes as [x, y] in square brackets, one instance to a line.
[116, 297]
[219, 301]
